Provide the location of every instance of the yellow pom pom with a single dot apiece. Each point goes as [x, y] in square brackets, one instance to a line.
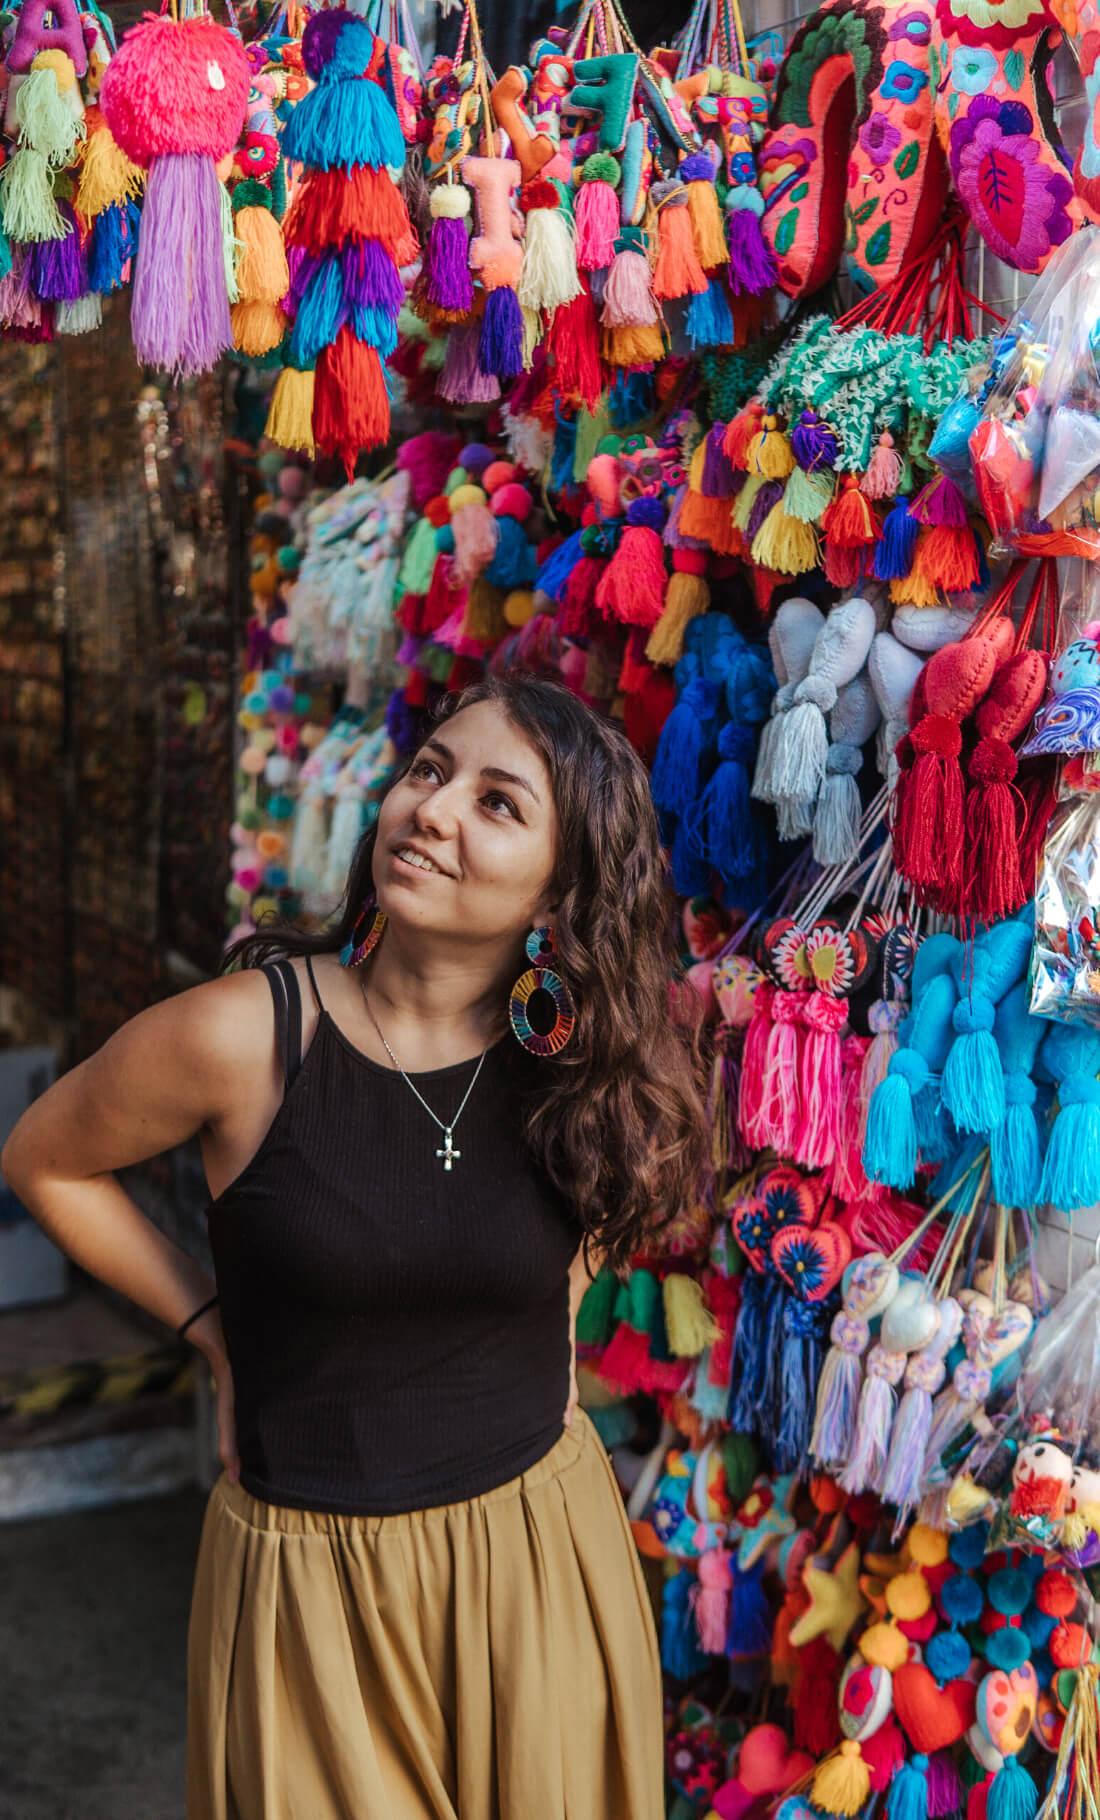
[908, 1597]
[927, 1546]
[688, 1320]
[842, 1783]
[468, 495]
[884, 1646]
[519, 606]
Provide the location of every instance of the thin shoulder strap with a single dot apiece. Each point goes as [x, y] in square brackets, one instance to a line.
[283, 981]
[313, 981]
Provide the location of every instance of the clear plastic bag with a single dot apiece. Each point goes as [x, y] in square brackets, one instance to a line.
[1065, 957]
[1036, 451]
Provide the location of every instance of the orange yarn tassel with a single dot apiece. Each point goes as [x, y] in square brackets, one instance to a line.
[946, 558]
[678, 272]
[351, 406]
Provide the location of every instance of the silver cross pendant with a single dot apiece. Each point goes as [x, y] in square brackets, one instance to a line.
[448, 1153]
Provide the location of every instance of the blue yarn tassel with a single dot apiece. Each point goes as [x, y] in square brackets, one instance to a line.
[748, 1358]
[500, 340]
[709, 318]
[559, 565]
[681, 1656]
[935, 1132]
[322, 312]
[973, 1081]
[890, 1141]
[749, 1631]
[1013, 1795]
[690, 873]
[1017, 1162]
[631, 398]
[113, 242]
[373, 324]
[1071, 1170]
[771, 1346]
[676, 779]
[343, 123]
[897, 546]
[561, 460]
[724, 818]
[5, 255]
[908, 1797]
[513, 564]
[800, 1364]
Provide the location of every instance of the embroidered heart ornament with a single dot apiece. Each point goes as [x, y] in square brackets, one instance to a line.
[811, 1259]
[753, 1227]
[1006, 1708]
[932, 1717]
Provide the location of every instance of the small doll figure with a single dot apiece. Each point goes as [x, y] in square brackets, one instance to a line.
[1081, 1530]
[1041, 1480]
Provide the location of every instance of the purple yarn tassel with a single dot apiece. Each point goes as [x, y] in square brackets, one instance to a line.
[500, 344]
[180, 311]
[813, 444]
[371, 278]
[450, 286]
[770, 492]
[462, 380]
[946, 1795]
[58, 268]
[718, 481]
[752, 265]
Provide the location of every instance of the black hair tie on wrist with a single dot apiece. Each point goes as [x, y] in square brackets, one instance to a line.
[180, 1331]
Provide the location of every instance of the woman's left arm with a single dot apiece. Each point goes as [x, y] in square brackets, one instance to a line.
[579, 1280]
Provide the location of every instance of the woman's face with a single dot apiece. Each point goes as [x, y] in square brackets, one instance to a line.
[466, 839]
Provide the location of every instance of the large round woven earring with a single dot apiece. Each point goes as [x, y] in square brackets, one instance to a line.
[366, 934]
[541, 977]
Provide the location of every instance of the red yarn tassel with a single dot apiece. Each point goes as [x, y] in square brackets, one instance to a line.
[850, 522]
[579, 600]
[947, 558]
[843, 568]
[928, 838]
[1038, 784]
[740, 431]
[993, 888]
[574, 344]
[633, 585]
[335, 206]
[351, 406]
[816, 1723]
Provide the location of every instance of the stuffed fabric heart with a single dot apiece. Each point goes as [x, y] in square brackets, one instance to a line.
[932, 1717]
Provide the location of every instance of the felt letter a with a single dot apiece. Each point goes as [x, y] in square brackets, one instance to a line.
[32, 35]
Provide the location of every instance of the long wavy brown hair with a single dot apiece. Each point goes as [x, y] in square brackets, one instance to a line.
[616, 1119]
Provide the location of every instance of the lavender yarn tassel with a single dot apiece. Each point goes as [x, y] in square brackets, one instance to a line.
[180, 314]
[462, 380]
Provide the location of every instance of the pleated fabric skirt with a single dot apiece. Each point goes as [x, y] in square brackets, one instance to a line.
[492, 1659]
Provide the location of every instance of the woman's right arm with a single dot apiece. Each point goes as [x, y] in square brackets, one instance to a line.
[189, 1064]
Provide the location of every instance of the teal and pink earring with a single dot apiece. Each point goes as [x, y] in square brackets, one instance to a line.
[366, 934]
[541, 977]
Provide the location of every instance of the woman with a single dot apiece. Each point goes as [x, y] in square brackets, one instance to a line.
[417, 1595]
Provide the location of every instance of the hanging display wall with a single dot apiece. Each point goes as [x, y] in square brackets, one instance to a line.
[698, 411]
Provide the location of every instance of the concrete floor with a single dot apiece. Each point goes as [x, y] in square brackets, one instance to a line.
[93, 1632]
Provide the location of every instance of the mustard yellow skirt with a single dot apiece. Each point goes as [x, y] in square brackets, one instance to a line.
[494, 1659]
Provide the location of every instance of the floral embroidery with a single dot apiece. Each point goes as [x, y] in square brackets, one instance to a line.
[1016, 203]
[973, 68]
[903, 83]
[1000, 23]
[879, 138]
[911, 27]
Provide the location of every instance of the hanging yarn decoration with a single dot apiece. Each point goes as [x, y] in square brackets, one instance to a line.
[49, 129]
[973, 1083]
[348, 226]
[902, 1477]
[174, 99]
[107, 193]
[1070, 1055]
[1015, 1152]
[677, 272]
[596, 211]
[262, 274]
[869, 1285]
[449, 280]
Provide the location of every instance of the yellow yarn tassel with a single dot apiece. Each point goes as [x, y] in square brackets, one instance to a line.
[770, 452]
[842, 1783]
[688, 1321]
[696, 465]
[290, 414]
[744, 501]
[785, 544]
[706, 225]
[1075, 1531]
[106, 175]
[687, 597]
[262, 272]
[485, 612]
[258, 326]
[633, 346]
[914, 591]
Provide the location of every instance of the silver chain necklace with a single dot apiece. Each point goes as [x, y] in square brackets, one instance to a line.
[448, 1153]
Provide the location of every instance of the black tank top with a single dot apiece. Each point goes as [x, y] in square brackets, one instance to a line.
[398, 1334]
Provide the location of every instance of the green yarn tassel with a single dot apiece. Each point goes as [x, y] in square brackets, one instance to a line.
[26, 194]
[231, 246]
[595, 1314]
[806, 496]
[46, 121]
